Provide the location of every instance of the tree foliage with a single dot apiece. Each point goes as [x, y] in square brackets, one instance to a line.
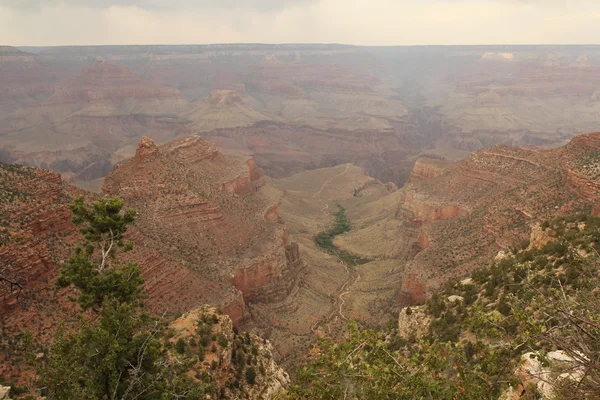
[117, 352]
[535, 301]
[91, 268]
[364, 367]
[325, 239]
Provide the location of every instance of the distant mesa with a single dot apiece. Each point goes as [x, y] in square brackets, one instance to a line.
[225, 96]
[9, 53]
[223, 109]
[271, 58]
[491, 98]
[497, 56]
[549, 59]
[582, 62]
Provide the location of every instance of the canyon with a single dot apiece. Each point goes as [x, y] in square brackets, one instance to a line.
[81, 110]
[235, 157]
[213, 229]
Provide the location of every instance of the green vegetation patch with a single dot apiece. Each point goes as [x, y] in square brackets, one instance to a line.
[325, 239]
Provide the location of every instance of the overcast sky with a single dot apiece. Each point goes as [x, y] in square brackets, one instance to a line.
[361, 22]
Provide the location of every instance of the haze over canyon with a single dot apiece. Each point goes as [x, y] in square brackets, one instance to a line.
[285, 190]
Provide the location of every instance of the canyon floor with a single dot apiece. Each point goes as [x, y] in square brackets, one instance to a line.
[330, 291]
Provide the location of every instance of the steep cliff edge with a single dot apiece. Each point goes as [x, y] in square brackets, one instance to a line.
[427, 168]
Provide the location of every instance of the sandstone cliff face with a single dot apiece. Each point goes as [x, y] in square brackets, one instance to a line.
[425, 209]
[207, 210]
[36, 236]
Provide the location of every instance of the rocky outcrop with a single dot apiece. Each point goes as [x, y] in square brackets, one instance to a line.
[272, 213]
[271, 278]
[426, 210]
[423, 241]
[413, 322]
[247, 182]
[234, 352]
[4, 392]
[206, 211]
[427, 168]
[146, 148]
[538, 238]
[414, 289]
[545, 372]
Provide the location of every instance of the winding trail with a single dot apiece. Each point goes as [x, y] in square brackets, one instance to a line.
[353, 275]
[338, 305]
[354, 278]
[329, 180]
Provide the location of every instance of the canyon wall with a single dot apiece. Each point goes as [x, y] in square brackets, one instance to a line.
[36, 226]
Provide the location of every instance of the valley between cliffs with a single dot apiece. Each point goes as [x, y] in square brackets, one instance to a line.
[213, 229]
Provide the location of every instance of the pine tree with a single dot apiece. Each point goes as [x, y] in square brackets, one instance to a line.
[118, 352]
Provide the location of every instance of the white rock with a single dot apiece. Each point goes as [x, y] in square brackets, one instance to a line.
[467, 281]
[560, 356]
[501, 255]
[454, 298]
[4, 392]
[416, 323]
[545, 378]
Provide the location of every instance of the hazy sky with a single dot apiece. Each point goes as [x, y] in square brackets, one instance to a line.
[363, 22]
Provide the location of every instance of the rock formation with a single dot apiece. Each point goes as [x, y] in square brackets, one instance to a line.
[451, 223]
[207, 211]
[4, 392]
[426, 168]
[207, 233]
